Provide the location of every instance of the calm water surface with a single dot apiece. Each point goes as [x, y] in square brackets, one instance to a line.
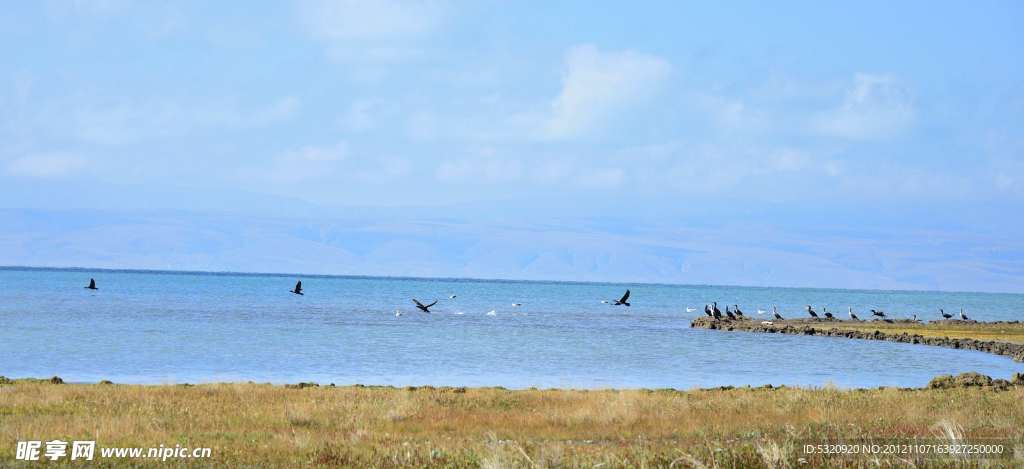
[146, 327]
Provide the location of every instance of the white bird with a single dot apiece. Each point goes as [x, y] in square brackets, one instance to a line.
[451, 297]
[604, 302]
[690, 310]
[397, 313]
[761, 311]
[516, 305]
[459, 313]
[492, 313]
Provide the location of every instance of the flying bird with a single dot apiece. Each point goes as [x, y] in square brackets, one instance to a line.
[422, 307]
[298, 288]
[944, 314]
[92, 284]
[761, 311]
[623, 301]
[451, 297]
[690, 310]
[811, 312]
[516, 305]
[775, 312]
[963, 316]
[852, 316]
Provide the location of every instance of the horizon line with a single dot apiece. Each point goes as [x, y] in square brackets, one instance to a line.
[229, 273]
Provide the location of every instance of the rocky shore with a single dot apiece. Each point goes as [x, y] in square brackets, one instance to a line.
[822, 328]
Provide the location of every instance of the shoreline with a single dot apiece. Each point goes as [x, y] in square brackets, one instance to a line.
[909, 332]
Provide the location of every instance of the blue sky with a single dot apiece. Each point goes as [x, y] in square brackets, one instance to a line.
[867, 127]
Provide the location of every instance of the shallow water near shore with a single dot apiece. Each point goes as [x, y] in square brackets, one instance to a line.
[161, 327]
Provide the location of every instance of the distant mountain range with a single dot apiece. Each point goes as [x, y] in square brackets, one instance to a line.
[593, 250]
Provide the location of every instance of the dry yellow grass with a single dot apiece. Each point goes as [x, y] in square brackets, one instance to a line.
[1013, 333]
[255, 424]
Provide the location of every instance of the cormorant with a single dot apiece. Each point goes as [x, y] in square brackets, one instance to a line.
[422, 307]
[298, 288]
[622, 301]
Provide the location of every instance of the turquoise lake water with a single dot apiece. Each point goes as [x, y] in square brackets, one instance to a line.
[164, 327]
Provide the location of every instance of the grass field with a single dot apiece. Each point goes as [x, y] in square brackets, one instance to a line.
[258, 424]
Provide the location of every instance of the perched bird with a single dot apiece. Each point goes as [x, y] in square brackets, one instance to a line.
[422, 307]
[707, 311]
[915, 317]
[736, 309]
[298, 288]
[810, 311]
[963, 316]
[397, 313]
[944, 314]
[717, 313]
[690, 310]
[92, 284]
[622, 301]
[729, 313]
[775, 312]
[852, 316]
[828, 315]
[880, 314]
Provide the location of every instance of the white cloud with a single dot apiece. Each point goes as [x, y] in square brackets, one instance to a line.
[335, 152]
[875, 107]
[597, 84]
[370, 19]
[121, 121]
[46, 165]
[371, 30]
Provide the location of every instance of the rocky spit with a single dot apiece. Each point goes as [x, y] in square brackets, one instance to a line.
[822, 328]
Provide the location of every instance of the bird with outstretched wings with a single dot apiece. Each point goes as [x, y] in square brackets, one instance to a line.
[624, 300]
[298, 288]
[423, 307]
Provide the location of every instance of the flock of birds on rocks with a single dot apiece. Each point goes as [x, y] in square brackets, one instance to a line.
[711, 310]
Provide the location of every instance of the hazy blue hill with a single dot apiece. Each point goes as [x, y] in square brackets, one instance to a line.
[387, 245]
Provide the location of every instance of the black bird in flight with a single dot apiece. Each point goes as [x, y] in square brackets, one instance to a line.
[622, 301]
[92, 284]
[298, 288]
[422, 307]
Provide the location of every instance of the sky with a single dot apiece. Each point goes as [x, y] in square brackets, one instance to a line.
[862, 145]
